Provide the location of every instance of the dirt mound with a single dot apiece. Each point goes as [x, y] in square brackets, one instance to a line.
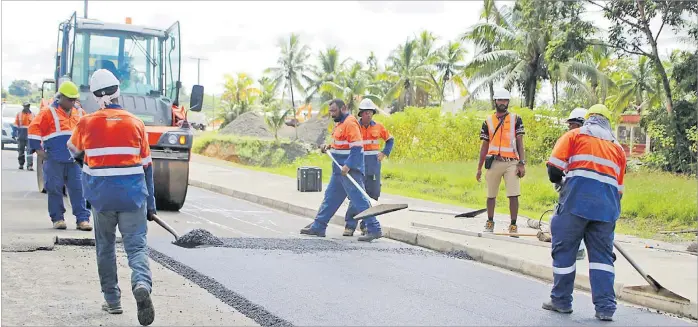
[248, 124]
[314, 131]
[693, 247]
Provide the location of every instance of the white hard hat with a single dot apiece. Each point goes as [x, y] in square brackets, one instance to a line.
[501, 94]
[102, 79]
[367, 104]
[578, 114]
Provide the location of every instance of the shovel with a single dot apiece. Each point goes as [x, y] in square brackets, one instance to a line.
[167, 227]
[656, 287]
[375, 209]
[469, 214]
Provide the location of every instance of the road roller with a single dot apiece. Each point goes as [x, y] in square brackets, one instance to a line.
[147, 63]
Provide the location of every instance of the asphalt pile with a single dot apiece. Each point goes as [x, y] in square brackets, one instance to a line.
[198, 237]
[248, 124]
[693, 247]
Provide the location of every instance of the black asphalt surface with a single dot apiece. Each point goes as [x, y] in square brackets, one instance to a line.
[269, 272]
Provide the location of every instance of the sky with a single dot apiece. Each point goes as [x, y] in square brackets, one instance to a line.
[239, 36]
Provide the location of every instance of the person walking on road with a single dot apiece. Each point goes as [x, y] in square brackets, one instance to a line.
[502, 152]
[22, 121]
[371, 132]
[347, 149]
[593, 165]
[118, 176]
[48, 134]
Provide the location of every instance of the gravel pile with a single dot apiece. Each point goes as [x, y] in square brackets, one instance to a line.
[693, 247]
[248, 124]
[314, 131]
[198, 237]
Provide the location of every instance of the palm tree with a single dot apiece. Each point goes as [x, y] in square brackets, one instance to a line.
[238, 97]
[291, 66]
[584, 74]
[484, 37]
[266, 86]
[638, 88]
[276, 116]
[450, 69]
[428, 54]
[406, 73]
[352, 86]
[329, 69]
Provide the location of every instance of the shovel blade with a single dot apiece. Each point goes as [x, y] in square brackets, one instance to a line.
[663, 292]
[471, 214]
[380, 209]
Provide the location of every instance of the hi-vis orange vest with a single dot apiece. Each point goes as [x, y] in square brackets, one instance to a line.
[504, 143]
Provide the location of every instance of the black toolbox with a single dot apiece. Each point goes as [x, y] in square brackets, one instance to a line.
[309, 179]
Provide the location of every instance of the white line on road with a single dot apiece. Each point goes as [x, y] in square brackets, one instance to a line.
[202, 206]
[215, 223]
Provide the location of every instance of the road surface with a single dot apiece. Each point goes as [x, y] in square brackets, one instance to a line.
[275, 276]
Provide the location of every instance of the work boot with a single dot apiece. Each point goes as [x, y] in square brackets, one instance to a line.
[59, 224]
[21, 168]
[146, 311]
[489, 226]
[310, 231]
[348, 231]
[364, 230]
[603, 316]
[513, 229]
[30, 168]
[581, 254]
[370, 237]
[83, 225]
[114, 309]
[549, 306]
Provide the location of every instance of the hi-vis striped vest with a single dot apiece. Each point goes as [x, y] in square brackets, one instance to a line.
[504, 143]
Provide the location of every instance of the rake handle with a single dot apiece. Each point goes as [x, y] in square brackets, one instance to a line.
[370, 201]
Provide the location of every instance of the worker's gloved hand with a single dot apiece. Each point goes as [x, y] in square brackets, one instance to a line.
[558, 187]
[151, 214]
[324, 148]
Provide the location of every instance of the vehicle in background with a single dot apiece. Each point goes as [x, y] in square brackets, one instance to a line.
[7, 132]
[147, 63]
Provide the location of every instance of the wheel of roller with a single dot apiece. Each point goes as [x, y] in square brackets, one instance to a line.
[171, 179]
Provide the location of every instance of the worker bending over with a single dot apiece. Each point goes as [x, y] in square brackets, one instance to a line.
[503, 149]
[594, 164]
[371, 133]
[347, 149]
[119, 184]
[48, 134]
[22, 121]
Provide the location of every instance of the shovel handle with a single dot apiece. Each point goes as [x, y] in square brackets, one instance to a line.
[650, 281]
[164, 225]
[370, 201]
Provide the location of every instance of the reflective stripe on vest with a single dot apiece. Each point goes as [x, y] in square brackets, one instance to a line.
[57, 123]
[504, 143]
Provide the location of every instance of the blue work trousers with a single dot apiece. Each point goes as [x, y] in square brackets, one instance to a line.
[567, 231]
[339, 188]
[133, 226]
[56, 176]
[373, 189]
[24, 152]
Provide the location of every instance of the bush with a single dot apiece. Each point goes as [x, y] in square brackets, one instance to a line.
[249, 151]
[425, 134]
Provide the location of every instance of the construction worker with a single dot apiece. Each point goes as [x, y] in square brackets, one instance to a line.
[22, 121]
[371, 132]
[593, 164]
[576, 120]
[118, 179]
[48, 134]
[347, 149]
[503, 148]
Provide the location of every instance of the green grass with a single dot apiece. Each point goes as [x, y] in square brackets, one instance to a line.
[653, 201]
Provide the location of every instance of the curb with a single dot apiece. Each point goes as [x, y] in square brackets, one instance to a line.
[543, 272]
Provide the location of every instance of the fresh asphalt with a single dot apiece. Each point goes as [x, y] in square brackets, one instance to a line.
[270, 273]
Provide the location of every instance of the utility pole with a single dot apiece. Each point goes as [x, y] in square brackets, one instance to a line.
[85, 9]
[198, 68]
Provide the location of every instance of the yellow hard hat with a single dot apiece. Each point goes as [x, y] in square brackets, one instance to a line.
[69, 89]
[599, 109]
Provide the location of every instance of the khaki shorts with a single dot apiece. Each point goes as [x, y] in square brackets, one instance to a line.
[493, 176]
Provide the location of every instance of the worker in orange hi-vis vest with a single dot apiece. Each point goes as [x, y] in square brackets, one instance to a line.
[48, 134]
[348, 150]
[502, 153]
[372, 132]
[22, 121]
[117, 170]
[589, 164]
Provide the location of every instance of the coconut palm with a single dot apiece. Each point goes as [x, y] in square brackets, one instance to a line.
[291, 66]
[238, 97]
[329, 69]
[352, 85]
[585, 74]
[638, 88]
[266, 86]
[450, 69]
[406, 74]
